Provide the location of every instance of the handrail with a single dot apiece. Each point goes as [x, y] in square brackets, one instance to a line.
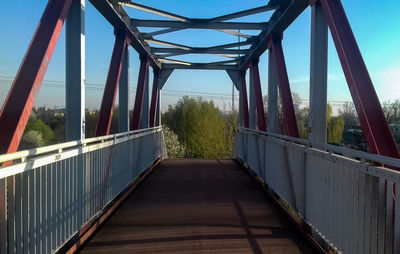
[72, 144]
[345, 152]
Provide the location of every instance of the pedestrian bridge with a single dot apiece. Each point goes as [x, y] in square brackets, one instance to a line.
[119, 193]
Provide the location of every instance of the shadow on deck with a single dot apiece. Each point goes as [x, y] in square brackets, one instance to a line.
[197, 206]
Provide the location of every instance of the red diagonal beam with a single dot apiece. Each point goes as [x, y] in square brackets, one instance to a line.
[110, 90]
[154, 99]
[258, 95]
[373, 122]
[284, 87]
[245, 105]
[19, 102]
[137, 110]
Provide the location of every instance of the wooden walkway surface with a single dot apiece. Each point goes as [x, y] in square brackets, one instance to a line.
[197, 206]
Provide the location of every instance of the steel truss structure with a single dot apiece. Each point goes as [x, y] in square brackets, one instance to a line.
[325, 14]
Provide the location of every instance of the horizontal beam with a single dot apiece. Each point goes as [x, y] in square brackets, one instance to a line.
[154, 11]
[119, 19]
[244, 13]
[199, 51]
[199, 24]
[200, 66]
[289, 10]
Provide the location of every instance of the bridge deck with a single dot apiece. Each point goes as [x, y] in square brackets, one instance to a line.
[197, 206]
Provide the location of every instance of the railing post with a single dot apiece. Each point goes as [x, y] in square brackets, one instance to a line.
[19, 102]
[154, 99]
[75, 71]
[284, 87]
[255, 74]
[272, 95]
[373, 122]
[318, 74]
[110, 90]
[137, 110]
[124, 94]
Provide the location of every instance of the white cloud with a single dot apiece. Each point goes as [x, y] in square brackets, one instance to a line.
[387, 83]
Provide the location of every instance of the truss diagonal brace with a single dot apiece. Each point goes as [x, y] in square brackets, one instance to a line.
[284, 87]
[19, 102]
[111, 88]
[137, 110]
[373, 122]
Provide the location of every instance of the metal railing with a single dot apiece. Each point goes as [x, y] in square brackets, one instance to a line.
[47, 194]
[339, 192]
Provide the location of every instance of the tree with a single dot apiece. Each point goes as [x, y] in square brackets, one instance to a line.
[392, 111]
[31, 139]
[175, 149]
[199, 126]
[335, 126]
[43, 129]
[349, 115]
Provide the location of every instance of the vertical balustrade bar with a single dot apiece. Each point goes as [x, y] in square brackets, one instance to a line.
[3, 216]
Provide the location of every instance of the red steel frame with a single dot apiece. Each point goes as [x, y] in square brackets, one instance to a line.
[19, 102]
[245, 105]
[110, 91]
[284, 87]
[137, 110]
[373, 122]
[258, 95]
[155, 93]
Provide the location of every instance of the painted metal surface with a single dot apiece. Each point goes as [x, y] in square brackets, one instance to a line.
[331, 188]
[137, 110]
[110, 91]
[284, 87]
[318, 73]
[272, 95]
[254, 72]
[75, 71]
[245, 106]
[18, 105]
[53, 191]
[379, 137]
[155, 93]
[144, 122]
[123, 93]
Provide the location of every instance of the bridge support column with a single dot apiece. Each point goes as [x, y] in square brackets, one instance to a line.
[284, 87]
[318, 74]
[19, 102]
[154, 99]
[145, 108]
[272, 95]
[373, 122]
[255, 74]
[252, 102]
[243, 100]
[75, 71]
[110, 90]
[124, 93]
[161, 77]
[137, 110]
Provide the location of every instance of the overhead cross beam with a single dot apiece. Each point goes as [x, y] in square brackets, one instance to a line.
[119, 19]
[199, 24]
[199, 51]
[210, 21]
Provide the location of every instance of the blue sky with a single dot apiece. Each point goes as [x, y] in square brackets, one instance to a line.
[376, 26]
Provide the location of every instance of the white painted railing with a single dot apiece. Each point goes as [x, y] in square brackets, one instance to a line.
[47, 194]
[338, 191]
